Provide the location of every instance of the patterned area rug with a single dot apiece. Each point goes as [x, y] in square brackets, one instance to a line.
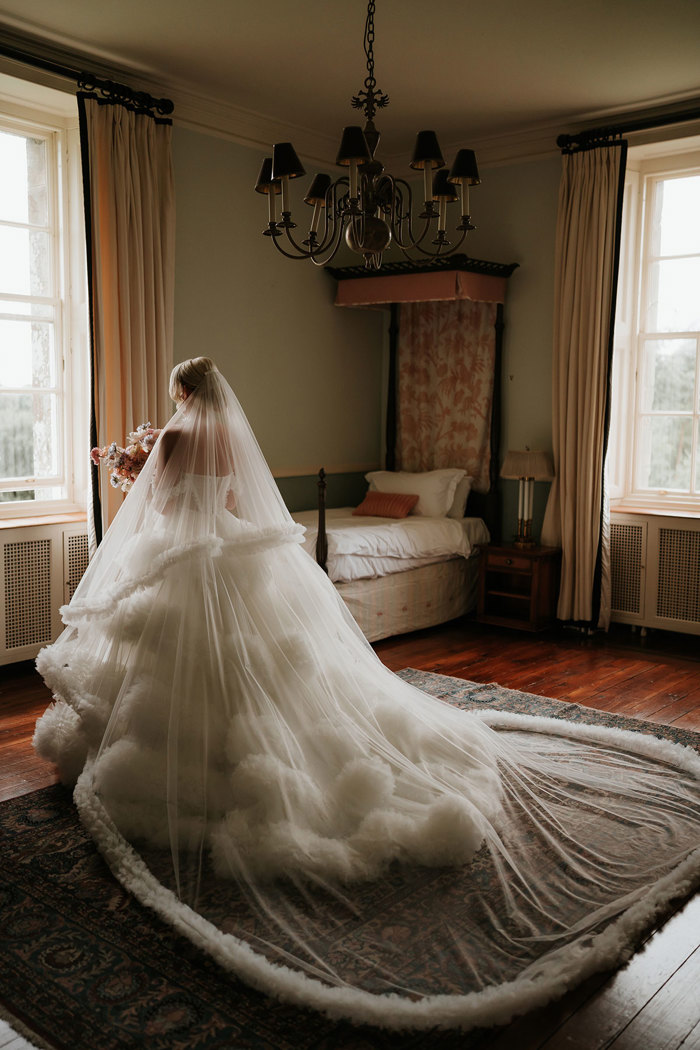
[85, 966]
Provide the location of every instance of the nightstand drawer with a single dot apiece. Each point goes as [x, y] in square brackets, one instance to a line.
[514, 562]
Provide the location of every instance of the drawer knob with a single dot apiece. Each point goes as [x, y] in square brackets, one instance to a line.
[509, 561]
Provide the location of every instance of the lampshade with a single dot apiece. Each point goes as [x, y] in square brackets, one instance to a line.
[353, 146]
[464, 168]
[527, 464]
[427, 152]
[286, 162]
[442, 189]
[317, 190]
[265, 183]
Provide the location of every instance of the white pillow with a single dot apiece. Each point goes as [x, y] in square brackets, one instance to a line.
[435, 488]
[459, 503]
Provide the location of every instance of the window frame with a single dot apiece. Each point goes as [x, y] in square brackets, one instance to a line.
[69, 303]
[630, 337]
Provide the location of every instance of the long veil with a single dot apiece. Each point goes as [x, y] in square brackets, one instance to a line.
[326, 831]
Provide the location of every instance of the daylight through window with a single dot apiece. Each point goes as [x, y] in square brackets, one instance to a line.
[655, 431]
[36, 374]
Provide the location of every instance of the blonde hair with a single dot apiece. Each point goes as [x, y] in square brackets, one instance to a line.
[188, 375]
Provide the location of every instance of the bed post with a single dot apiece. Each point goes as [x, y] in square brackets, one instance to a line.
[390, 459]
[321, 538]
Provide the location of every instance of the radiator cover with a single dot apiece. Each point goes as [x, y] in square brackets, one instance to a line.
[655, 571]
[41, 566]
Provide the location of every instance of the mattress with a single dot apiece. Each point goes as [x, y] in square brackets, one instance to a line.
[409, 601]
[362, 547]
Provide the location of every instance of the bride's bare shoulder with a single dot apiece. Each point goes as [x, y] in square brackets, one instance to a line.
[167, 444]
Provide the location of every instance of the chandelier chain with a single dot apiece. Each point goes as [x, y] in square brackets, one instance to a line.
[370, 82]
[370, 100]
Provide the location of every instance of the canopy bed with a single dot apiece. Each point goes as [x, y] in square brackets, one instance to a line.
[402, 569]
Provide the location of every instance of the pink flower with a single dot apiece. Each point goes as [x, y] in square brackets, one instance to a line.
[125, 464]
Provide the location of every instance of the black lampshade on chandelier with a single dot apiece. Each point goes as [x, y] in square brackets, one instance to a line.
[371, 207]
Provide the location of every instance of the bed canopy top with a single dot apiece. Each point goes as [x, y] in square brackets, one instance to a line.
[448, 279]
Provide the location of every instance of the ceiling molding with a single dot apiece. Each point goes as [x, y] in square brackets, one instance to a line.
[221, 118]
[225, 120]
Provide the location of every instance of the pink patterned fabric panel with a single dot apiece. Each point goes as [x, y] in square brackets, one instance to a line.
[446, 366]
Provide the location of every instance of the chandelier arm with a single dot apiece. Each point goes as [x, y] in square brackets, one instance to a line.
[330, 216]
[288, 255]
[336, 220]
[332, 213]
[449, 250]
[295, 246]
[313, 250]
[333, 243]
[398, 220]
[336, 246]
[332, 229]
[417, 242]
[413, 242]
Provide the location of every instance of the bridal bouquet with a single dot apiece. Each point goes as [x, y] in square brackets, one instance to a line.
[125, 463]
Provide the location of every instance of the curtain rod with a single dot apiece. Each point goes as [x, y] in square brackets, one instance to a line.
[598, 136]
[110, 89]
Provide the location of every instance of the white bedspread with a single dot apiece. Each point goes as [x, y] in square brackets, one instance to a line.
[363, 547]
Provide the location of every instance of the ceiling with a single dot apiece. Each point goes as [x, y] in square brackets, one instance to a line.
[503, 76]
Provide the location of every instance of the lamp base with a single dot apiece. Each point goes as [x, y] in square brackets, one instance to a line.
[524, 537]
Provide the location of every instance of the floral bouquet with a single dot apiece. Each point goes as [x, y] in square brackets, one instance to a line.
[125, 464]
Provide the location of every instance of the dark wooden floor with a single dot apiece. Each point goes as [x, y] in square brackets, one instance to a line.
[653, 1003]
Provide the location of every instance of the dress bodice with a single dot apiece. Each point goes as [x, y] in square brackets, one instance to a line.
[207, 495]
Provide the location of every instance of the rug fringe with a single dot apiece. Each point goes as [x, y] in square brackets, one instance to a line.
[33, 1040]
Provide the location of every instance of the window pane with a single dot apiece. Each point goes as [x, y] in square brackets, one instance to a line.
[668, 375]
[674, 302]
[26, 354]
[25, 266]
[38, 183]
[677, 214]
[15, 495]
[43, 311]
[23, 163]
[28, 435]
[664, 454]
[43, 493]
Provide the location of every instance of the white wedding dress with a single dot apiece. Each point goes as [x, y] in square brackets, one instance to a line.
[329, 833]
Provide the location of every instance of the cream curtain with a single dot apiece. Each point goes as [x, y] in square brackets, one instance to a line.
[130, 212]
[587, 253]
[446, 363]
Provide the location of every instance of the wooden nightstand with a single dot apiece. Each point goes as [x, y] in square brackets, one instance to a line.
[518, 587]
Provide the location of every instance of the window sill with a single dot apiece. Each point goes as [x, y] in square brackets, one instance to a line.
[653, 510]
[43, 519]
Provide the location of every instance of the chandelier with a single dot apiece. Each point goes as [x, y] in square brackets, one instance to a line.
[368, 205]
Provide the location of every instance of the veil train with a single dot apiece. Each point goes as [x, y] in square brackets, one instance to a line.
[329, 833]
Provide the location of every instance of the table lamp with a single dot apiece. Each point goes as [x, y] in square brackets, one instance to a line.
[527, 466]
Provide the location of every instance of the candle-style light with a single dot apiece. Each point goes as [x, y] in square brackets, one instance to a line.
[367, 206]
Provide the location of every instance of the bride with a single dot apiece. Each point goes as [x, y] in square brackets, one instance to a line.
[329, 833]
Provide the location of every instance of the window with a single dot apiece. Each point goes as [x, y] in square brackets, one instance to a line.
[43, 413]
[654, 459]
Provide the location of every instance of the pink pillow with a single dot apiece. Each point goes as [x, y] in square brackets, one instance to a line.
[387, 504]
